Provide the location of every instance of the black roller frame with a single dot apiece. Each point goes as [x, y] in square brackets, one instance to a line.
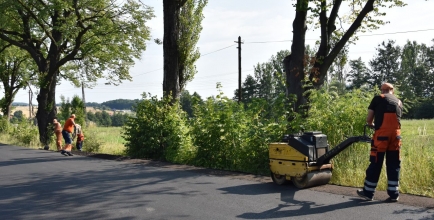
[342, 146]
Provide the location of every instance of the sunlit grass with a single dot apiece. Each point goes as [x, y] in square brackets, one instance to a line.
[110, 138]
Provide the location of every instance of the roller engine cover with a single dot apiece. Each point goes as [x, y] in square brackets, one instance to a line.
[312, 144]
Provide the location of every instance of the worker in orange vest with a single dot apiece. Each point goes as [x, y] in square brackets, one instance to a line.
[67, 131]
[80, 137]
[58, 132]
[384, 114]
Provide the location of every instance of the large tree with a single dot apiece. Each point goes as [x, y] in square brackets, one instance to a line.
[385, 64]
[15, 71]
[325, 14]
[182, 26]
[416, 73]
[107, 34]
[359, 74]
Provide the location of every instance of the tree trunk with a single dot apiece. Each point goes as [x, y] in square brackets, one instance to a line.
[171, 48]
[8, 103]
[294, 63]
[47, 107]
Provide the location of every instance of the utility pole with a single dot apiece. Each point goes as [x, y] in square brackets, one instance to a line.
[30, 99]
[82, 94]
[239, 68]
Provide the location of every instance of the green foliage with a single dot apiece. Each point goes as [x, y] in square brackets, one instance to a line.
[118, 119]
[16, 70]
[385, 64]
[359, 74]
[339, 117]
[229, 136]
[410, 68]
[189, 28]
[4, 125]
[91, 116]
[158, 131]
[187, 101]
[423, 110]
[120, 104]
[268, 81]
[101, 36]
[105, 119]
[75, 106]
[25, 133]
[17, 117]
[91, 143]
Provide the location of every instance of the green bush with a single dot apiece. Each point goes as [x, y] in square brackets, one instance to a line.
[4, 125]
[25, 133]
[158, 131]
[91, 142]
[423, 110]
[233, 137]
[340, 117]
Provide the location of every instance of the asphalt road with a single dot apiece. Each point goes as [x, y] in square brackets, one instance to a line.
[37, 184]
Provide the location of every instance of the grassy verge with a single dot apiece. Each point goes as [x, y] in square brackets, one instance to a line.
[110, 139]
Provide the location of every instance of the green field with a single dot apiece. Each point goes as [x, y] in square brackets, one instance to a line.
[110, 138]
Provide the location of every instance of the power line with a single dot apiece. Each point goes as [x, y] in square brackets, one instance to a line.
[200, 56]
[265, 42]
[399, 32]
[218, 50]
[363, 35]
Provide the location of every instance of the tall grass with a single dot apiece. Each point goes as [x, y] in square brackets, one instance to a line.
[109, 139]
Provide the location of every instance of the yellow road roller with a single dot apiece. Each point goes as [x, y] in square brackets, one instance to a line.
[305, 159]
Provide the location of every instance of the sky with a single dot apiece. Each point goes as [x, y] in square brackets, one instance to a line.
[265, 28]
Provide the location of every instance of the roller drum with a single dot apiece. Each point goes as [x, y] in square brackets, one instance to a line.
[311, 179]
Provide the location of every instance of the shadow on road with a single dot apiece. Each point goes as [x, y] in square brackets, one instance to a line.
[292, 207]
[76, 189]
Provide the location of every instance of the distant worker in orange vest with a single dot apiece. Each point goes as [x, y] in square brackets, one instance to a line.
[67, 131]
[58, 132]
[80, 137]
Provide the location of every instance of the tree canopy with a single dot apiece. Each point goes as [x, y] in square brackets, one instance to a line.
[61, 36]
[364, 15]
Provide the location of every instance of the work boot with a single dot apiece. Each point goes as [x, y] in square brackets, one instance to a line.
[69, 153]
[391, 200]
[63, 152]
[362, 194]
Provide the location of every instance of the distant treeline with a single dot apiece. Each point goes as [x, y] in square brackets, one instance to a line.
[117, 104]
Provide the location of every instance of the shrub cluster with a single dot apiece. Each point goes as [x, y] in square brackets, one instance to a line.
[158, 131]
[222, 134]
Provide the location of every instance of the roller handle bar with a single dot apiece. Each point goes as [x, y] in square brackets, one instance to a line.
[342, 146]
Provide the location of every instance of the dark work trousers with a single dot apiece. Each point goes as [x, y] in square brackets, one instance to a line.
[384, 144]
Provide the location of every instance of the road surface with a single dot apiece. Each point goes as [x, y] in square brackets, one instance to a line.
[38, 184]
